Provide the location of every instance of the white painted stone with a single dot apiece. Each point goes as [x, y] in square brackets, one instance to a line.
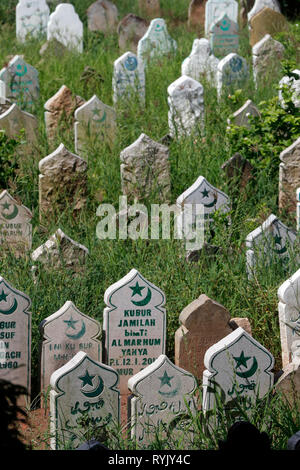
[156, 42]
[265, 56]
[224, 36]
[215, 8]
[65, 333]
[82, 388]
[236, 366]
[186, 106]
[294, 86]
[134, 324]
[162, 391]
[260, 4]
[201, 62]
[296, 352]
[298, 208]
[241, 116]
[31, 18]
[128, 78]
[2, 92]
[13, 120]
[65, 26]
[232, 72]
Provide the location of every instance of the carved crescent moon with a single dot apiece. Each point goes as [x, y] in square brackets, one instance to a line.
[11, 310]
[94, 393]
[249, 372]
[213, 203]
[79, 334]
[12, 215]
[102, 119]
[21, 74]
[144, 301]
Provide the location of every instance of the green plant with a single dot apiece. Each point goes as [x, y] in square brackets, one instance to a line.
[8, 161]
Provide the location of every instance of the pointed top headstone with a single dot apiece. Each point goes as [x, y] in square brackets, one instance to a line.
[215, 8]
[31, 18]
[156, 42]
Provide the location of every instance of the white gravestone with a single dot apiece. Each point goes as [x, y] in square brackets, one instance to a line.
[31, 18]
[260, 4]
[15, 336]
[232, 72]
[82, 388]
[94, 120]
[15, 226]
[134, 324]
[293, 85]
[215, 8]
[241, 116]
[13, 120]
[66, 27]
[64, 333]
[201, 62]
[2, 92]
[265, 56]
[269, 242]
[128, 78]
[236, 366]
[289, 315]
[156, 42]
[161, 392]
[298, 208]
[186, 106]
[224, 36]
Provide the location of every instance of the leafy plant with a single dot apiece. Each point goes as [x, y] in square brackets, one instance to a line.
[8, 163]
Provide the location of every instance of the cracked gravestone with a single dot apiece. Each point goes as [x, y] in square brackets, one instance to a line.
[65, 25]
[31, 19]
[128, 79]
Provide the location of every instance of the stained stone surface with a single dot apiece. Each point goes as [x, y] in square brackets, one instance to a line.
[240, 117]
[232, 73]
[289, 174]
[65, 25]
[82, 387]
[156, 42]
[215, 8]
[128, 78]
[13, 120]
[260, 4]
[102, 16]
[31, 18]
[289, 383]
[201, 63]
[265, 56]
[2, 92]
[64, 334]
[130, 30]
[238, 171]
[134, 324]
[186, 106]
[161, 392]
[266, 21]
[196, 14]
[150, 8]
[145, 170]
[224, 36]
[293, 85]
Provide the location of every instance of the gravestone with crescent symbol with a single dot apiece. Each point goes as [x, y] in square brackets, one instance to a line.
[289, 174]
[232, 73]
[31, 18]
[241, 116]
[265, 56]
[215, 8]
[201, 63]
[15, 336]
[224, 36]
[13, 120]
[21, 81]
[15, 226]
[65, 25]
[82, 390]
[260, 4]
[186, 107]
[94, 120]
[237, 367]
[134, 324]
[156, 42]
[64, 333]
[128, 79]
[162, 391]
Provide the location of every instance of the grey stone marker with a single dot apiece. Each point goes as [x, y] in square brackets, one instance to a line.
[13, 120]
[128, 78]
[293, 85]
[161, 392]
[260, 4]
[224, 36]
[215, 8]
[31, 18]
[289, 174]
[298, 208]
[265, 56]
[201, 63]
[240, 117]
[134, 324]
[130, 30]
[82, 388]
[65, 25]
[102, 16]
[232, 73]
[156, 42]
[2, 92]
[64, 333]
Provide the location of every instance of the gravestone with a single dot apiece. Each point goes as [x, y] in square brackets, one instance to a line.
[260, 4]
[238, 171]
[265, 56]
[128, 79]
[292, 84]
[266, 21]
[82, 389]
[31, 18]
[201, 63]
[102, 16]
[196, 14]
[62, 183]
[289, 383]
[94, 121]
[186, 107]
[150, 8]
[289, 174]
[145, 170]
[215, 8]
[268, 243]
[130, 30]
[241, 116]
[224, 36]
[294, 442]
[232, 73]
[134, 325]
[15, 226]
[15, 336]
[13, 120]
[64, 333]
[64, 25]
[298, 208]
[156, 42]
[236, 366]
[161, 392]
[21, 81]
[245, 7]
[2, 92]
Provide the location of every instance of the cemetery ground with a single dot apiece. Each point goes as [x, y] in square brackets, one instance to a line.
[221, 276]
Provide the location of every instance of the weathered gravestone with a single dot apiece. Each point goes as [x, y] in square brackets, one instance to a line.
[224, 36]
[15, 336]
[241, 116]
[21, 81]
[65, 25]
[145, 170]
[94, 121]
[134, 324]
[265, 56]
[245, 7]
[52, 48]
[289, 174]
[238, 366]
[215, 8]
[238, 171]
[31, 18]
[298, 208]
[260, 4]
[266, 21]
[130, 30]
[150, 8]
[102, 16]
[292, 85]
[289, 382]
[156, 42]
[13, 120]
[83, 389]
[232, 73]
[128, 79]
[268, 243]
[2, 92]
[186, 107]
[201, 63]
[62, 183]
[162, 391]
[196, 14]
[15, 226]
[64, 333]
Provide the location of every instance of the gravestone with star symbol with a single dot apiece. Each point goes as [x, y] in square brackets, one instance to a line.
[128, 80]
[84, 395]
[31, 19]
[162, 391]
[224, 36]
[156, 42]
[215, 8]
[64, 333]
[134, 325]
